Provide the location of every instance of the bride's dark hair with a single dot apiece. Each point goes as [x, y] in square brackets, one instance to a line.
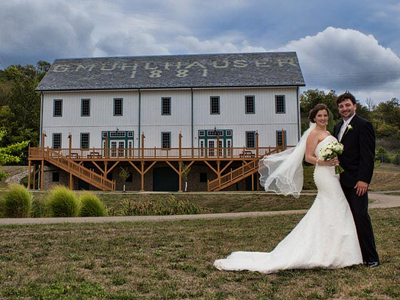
[315, 110]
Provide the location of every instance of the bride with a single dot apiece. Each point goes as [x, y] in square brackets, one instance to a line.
[326, 237]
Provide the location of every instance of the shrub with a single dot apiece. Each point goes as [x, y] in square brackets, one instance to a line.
[170, 206]
[91, 206]
[40, 208]
[2, 208]
[382, 155]
[63, 202]
[396, 158]
[18, 202]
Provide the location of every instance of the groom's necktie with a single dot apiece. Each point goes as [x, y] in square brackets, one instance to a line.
[342, 130]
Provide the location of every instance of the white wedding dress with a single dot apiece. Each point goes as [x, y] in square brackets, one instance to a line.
[326, 237]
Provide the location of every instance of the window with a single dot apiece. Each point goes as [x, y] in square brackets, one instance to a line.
[203, 177]
[130, 178]
[250, 105]
[117, 107]
[215, 132]
[117, 133]
[250, 139]
[85, 137]
[214, 105]
[280, 106]
[57, 108]
[56, 176]
[56, 140]
[85, 107]
[166, 139]
[280, 135]
[166, 106]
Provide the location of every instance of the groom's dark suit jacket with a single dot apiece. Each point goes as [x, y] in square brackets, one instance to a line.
[358, 156]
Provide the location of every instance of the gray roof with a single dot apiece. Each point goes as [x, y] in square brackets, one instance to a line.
[174, 71]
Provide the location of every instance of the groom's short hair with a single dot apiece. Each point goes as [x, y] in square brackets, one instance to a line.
[344, 96]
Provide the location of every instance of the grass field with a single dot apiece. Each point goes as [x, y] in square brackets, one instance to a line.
[173, 260]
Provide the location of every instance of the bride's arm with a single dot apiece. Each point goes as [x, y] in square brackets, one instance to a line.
[311, 144]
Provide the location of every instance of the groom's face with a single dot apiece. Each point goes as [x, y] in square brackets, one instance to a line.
[347, 109]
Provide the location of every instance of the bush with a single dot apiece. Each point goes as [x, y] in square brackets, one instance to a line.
[91, 206]
[396, 158]
[2, 208]
[382, 155]
[63, 202]
[170, 206]
[40, 208]
[17, 202]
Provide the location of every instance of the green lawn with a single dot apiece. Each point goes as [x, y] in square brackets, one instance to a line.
[173, 260]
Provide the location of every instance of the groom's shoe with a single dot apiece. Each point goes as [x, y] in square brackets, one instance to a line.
[372, 264]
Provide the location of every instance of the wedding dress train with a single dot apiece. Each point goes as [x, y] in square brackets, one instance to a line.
[326, 236]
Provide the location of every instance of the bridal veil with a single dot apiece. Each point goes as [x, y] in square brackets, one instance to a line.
[282, 172]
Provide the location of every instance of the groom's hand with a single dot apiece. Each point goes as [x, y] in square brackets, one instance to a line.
[361, 187]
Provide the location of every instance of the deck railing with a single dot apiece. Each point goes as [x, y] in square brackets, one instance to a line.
[157, 153]
[57, 159]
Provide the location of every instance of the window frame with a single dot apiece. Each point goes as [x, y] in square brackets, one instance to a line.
[164, 133]
[122, 107]
[203, 177]
[55, 114]
[279, 137]
[55, 176]
[83, 114]
[211, 105]
[54, 135]
[278, 110]
[168, 99]
[246, 108]
[88, 140]
[253, 132]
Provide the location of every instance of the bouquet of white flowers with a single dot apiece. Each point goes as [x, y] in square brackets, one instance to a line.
[332, 150]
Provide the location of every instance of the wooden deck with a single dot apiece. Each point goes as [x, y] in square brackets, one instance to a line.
[73, 160]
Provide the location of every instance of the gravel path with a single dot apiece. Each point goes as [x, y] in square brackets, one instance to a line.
[378, 200]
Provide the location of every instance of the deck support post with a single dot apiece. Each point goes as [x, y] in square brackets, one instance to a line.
[29, 175]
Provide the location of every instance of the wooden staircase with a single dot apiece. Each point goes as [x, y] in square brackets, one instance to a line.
[234, 176]
[79, 171]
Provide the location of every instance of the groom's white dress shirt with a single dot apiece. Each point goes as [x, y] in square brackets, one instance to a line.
[344, 127]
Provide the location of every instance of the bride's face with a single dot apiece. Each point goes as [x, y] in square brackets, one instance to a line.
[321, 118]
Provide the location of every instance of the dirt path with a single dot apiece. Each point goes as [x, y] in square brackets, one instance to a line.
[378, 200]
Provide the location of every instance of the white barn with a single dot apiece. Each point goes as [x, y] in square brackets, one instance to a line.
[133, 111]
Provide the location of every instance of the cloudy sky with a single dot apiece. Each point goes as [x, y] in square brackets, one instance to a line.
[342, 45]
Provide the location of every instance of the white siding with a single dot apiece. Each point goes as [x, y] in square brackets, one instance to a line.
[153, 123]
[101, 115]
[232, 115]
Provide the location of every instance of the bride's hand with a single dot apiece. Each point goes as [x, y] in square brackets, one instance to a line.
[329, 163]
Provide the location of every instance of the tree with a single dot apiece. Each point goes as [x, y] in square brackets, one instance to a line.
[370, 104]
[185, 174]
[311, 98]
[11, 153]
[389, 112]
[20, 104]
[124, 174]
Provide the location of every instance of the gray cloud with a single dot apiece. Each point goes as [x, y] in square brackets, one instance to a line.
[331, 58]
[43, 29]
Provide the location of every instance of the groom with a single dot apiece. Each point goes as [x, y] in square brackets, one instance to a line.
[357, 160]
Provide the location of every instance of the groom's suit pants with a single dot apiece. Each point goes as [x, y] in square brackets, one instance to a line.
[359, 208]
